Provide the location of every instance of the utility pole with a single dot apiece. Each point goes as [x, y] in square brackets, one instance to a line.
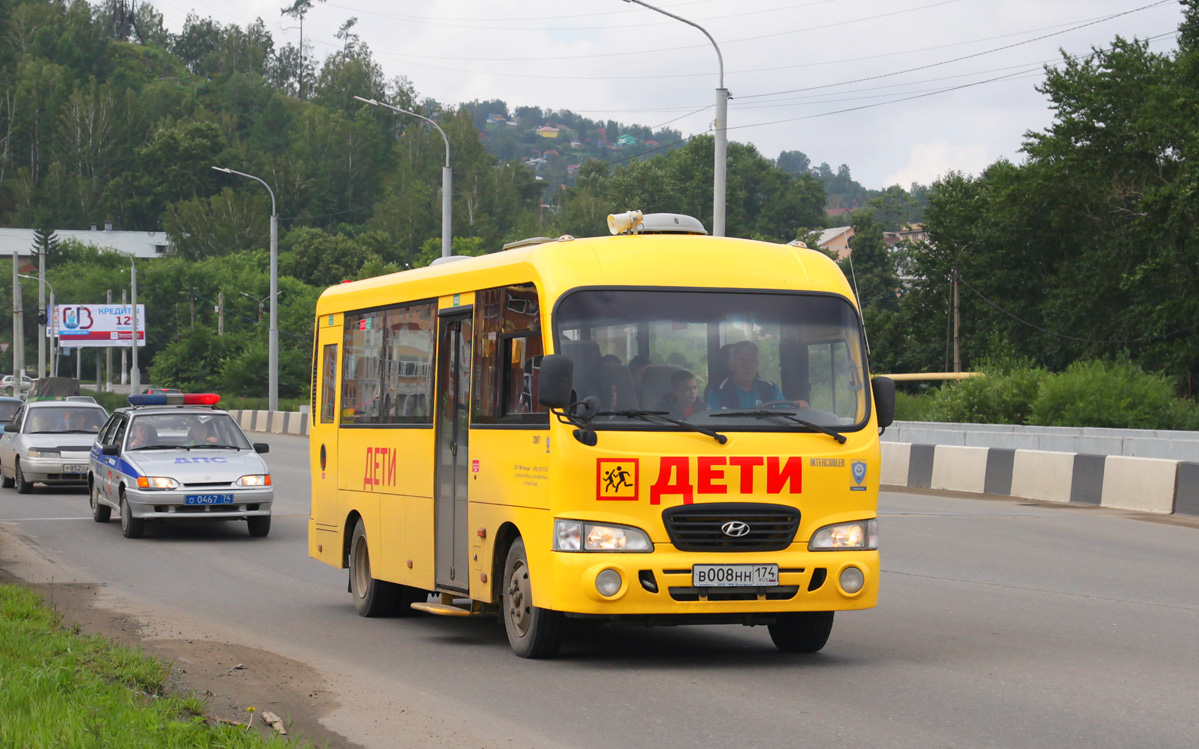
[220, 313]
[124, 372]
[191, 306]
[41, 311]
[108, 351]
[957, 324]
[18, 352]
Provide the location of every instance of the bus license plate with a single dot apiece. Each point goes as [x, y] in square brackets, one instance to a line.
[208, 499]
[75, 468]
[734, 575]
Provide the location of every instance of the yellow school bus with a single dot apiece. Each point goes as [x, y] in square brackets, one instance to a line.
[657, 427]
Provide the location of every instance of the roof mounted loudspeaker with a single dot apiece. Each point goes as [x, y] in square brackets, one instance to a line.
[634, 222]
[449, 259]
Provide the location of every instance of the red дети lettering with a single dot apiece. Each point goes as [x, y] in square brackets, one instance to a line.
[778, 478]
[679, 470]
[710, 469]
[747, 471]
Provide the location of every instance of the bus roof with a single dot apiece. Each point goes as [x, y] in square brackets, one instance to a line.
[677, 260]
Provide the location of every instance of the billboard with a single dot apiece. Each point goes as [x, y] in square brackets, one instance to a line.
[96, 325]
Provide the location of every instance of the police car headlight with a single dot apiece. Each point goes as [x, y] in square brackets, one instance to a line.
[577, 535]
[34, 453]
[254, 480]
[858, 535]
[157, 482]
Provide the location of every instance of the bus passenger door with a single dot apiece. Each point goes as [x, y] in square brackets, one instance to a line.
[452, 461]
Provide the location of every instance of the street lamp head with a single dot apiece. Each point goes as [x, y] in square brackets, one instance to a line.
[223, 169]
[372, 102]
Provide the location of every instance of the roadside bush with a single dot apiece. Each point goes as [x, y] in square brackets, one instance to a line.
[1106, 394]
[1005, 395]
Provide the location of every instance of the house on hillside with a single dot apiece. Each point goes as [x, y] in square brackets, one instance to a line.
[836, 240]
[547, 132]
[626, 140]
[576, 144]
[913, 233]
[834, 212]
[652, 143]
[572, 168]
[550, 153]
[497, 119]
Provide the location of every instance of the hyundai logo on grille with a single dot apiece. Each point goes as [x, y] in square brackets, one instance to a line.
[735, 529]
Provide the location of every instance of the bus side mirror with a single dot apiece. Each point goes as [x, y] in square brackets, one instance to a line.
[555, 381]
[884, 400]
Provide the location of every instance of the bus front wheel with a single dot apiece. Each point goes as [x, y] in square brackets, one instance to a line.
[371, 597]
[801, 631]
[532, 632]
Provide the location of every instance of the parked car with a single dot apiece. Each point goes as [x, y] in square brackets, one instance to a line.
[48, 442]
[160, 391]
[178, 463]
[80, 398]
[7, 384]
[8, 408]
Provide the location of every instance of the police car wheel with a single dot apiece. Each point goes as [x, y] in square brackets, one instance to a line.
[131, 527]
[801, 631]
[372, 597]
[23, 486]
[259, 526]
[100, 512]
[532, 632]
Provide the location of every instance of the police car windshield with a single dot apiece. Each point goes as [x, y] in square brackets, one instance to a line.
[184, 431]
[696, 353]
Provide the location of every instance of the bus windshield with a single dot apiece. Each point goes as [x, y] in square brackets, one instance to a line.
[740, 360]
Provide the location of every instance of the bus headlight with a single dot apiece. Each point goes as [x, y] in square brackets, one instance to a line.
[858, 535]
[578, 535]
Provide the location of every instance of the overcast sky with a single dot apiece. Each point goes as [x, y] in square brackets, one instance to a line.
[791, 67]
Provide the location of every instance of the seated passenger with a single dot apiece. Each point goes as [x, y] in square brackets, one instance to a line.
[637, 367]
[144, 435]
[743, 388]
[202, 434]
[683, 399]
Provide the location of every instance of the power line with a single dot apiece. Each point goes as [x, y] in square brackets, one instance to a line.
[964, 57]
[1065, 336]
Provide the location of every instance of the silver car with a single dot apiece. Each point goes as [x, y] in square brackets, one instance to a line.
[48, 442]
[178, 463]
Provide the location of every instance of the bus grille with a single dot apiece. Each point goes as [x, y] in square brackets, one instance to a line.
[701, 527]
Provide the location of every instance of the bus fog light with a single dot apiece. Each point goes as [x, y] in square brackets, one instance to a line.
[852, 580]
[608, 583]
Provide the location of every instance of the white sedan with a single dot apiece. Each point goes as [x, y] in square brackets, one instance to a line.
[48, 442]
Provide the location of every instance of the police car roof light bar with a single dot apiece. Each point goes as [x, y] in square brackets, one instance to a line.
[175, 399]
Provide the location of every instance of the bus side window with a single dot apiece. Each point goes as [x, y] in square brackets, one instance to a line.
[507, 356]
[328, 383]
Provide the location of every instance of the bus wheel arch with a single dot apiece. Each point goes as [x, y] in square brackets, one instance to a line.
[505, 536]
[347, 536]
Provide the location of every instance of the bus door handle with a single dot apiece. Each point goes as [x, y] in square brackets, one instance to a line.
[454, 448]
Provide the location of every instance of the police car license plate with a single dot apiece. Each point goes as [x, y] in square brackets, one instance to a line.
[734, 575]
[208, 499]
[75, 468]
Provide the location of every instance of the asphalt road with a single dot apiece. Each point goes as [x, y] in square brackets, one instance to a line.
[999, 624]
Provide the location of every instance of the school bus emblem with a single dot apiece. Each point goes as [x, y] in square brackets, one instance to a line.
[616, 480]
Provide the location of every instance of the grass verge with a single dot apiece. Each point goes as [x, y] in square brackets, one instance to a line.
[61, 689]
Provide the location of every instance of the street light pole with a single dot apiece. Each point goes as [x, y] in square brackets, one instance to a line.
[273, 339]
[447, 176]
[720, 125]
[135, 375]
[41, 313]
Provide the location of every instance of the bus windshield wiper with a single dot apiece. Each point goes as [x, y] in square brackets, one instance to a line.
[660, 416]
[784, 415]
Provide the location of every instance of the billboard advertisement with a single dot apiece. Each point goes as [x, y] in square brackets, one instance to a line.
[96, 325]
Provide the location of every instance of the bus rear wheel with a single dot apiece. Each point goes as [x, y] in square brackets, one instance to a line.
[801, 631]
[532, 632]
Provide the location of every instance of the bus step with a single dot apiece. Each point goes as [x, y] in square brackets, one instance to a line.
[445, 609]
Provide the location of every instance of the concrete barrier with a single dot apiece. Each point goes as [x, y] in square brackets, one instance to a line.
[1042, 475]
[1150, 485]
[959, 469]
[895, 460]
[1141, 484]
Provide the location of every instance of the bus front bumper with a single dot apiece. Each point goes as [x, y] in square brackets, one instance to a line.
[662, 583]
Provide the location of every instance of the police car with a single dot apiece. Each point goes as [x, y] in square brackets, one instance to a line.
[174, 457]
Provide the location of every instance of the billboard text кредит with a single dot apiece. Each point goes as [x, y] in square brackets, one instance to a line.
[96, 325]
